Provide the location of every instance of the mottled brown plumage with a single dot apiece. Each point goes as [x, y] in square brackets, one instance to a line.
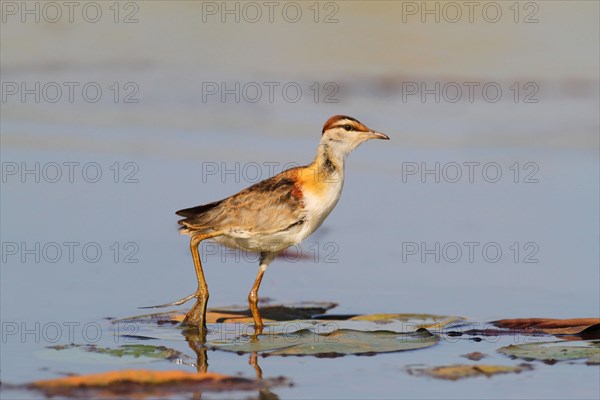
[269, 206]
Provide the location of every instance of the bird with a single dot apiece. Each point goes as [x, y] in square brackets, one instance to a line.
[275, 213]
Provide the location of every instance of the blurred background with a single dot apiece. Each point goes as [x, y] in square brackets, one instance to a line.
[484, 203]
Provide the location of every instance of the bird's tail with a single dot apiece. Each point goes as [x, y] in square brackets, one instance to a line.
[195, 217]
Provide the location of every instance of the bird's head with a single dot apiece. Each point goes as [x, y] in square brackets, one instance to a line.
[343, 134]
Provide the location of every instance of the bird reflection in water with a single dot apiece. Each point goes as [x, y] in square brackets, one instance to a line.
[196, 339]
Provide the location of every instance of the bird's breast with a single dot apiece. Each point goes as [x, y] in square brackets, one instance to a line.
[320, 194]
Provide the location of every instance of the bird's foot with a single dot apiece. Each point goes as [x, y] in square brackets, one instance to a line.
[258, 331]
[195, 319]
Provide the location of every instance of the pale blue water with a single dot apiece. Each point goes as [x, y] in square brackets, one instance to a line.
[364, 242]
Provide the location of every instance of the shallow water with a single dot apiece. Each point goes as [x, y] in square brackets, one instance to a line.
[375, 253]
[363, 258]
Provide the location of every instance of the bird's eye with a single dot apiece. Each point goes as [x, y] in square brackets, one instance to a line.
[347, 127]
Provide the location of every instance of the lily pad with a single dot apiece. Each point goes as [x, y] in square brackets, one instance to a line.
[138, 350]
[103, 355]
[144, 383]
[337, 343]
[555, 351]
[279, 312]
[550, 326]
[241, 314]
[412, 322]
[460, 371]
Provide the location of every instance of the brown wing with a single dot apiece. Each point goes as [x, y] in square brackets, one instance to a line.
[272, 205]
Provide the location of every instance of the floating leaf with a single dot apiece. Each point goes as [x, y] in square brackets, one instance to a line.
[280, 312]
[269, 313]
[141, 383]
[219, 317]
[550, 326]
[337, 343]
[411, 322]
[455, 372]
[94, 354]
[555, 351]
[137, 350]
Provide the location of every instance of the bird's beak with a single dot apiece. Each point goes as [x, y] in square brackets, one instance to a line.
[377, 135]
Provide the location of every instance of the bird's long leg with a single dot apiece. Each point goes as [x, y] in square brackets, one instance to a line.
[197, 315]
[265, 260]
[199, 275]
[253, 300]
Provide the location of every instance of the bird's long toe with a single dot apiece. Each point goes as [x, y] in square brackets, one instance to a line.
[179, 302]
